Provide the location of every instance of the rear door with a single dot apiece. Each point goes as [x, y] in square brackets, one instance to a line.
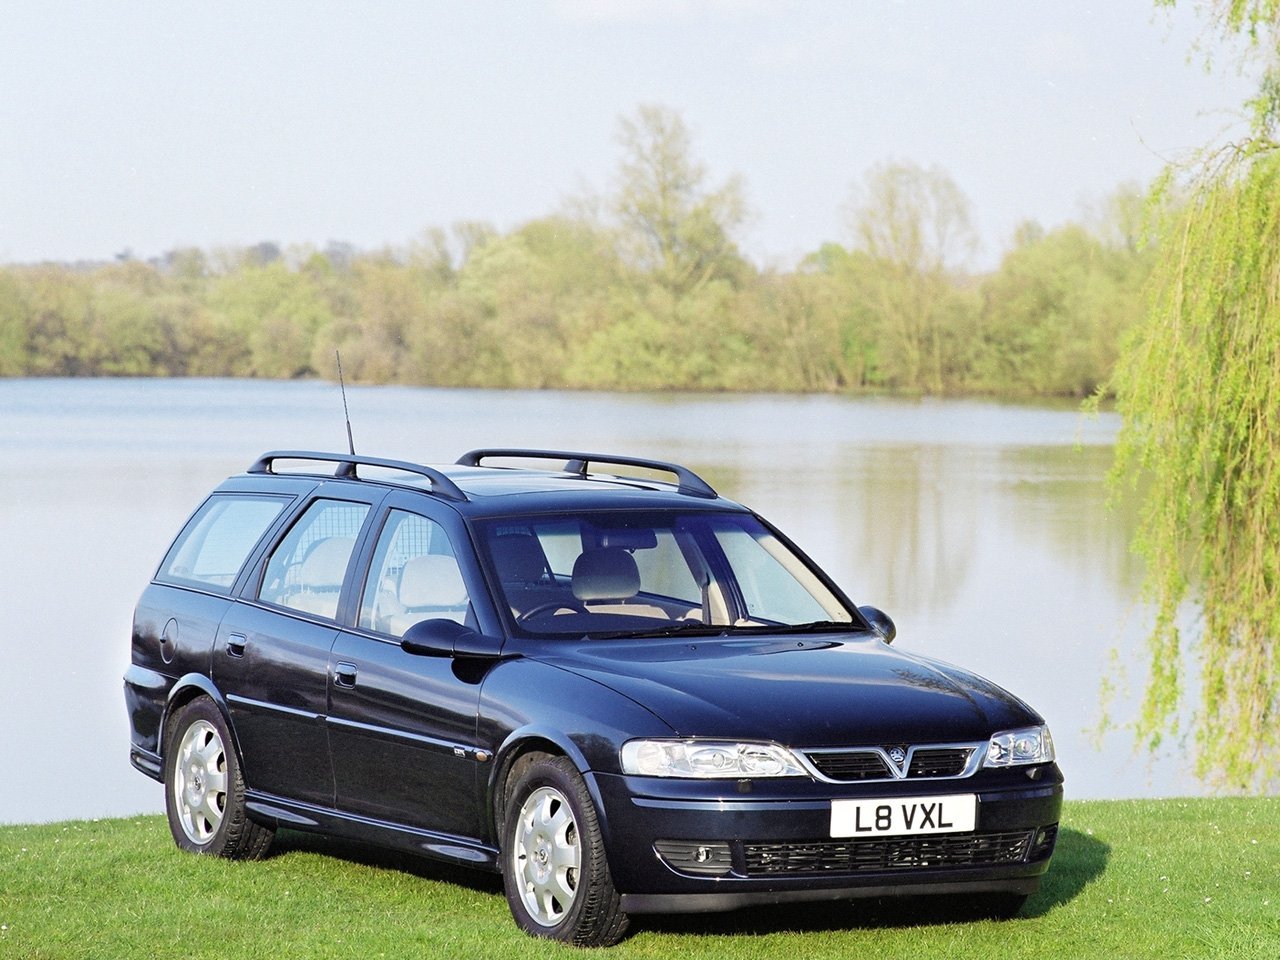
[176, 621]
[271, 658]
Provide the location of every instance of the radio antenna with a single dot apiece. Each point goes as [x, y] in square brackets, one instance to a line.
[346, 414]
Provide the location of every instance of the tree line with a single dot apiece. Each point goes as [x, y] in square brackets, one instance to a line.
[642, 288]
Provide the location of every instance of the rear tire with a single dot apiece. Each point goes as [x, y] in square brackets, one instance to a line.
[553, 864]
[204, 788]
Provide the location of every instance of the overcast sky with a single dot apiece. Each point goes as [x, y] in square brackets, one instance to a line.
[153, 125]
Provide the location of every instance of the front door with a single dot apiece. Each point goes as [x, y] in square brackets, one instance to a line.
[402, 727]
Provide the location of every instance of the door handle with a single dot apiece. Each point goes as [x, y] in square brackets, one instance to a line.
[236, 644]
[344, 675]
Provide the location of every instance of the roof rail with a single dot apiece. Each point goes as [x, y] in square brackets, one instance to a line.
[347, 464]
[690, 484]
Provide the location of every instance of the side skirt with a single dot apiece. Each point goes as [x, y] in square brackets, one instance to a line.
[301, 816]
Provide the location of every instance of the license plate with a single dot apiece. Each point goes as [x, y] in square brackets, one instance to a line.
[911, 816]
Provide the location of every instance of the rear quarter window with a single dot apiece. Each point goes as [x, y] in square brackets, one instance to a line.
[217, 540]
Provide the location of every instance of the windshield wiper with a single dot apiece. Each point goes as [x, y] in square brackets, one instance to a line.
[813, 626]
[693, 628]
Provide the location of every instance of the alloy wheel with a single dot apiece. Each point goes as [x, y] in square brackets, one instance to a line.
[547, 858]
[200, 782]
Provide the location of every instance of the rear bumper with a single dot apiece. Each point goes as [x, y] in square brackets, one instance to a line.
[144, 761]
[704, 853]
[145, 694]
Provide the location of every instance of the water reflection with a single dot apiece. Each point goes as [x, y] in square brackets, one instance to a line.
[908, 529]
[1060, 499]
[982, 529]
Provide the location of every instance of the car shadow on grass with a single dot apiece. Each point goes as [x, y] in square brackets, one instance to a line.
[1078, 860]
[425, 868]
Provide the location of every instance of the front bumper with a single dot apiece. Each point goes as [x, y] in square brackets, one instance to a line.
[686, 846]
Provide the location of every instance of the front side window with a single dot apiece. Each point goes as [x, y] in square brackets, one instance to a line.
[414, 576]
[639, 573]
[307, 568]
[218, 539]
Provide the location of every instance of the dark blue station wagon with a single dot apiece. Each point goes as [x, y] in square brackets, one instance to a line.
[621, 691]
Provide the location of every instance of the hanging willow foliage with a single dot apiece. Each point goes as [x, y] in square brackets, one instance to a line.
[1198, 386]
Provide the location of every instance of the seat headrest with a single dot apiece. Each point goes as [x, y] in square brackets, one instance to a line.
[518, 558]
[325, 565]
[433, 580]
[609, 573]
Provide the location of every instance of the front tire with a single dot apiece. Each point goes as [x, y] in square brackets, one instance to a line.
[204, 788]
[554, 871]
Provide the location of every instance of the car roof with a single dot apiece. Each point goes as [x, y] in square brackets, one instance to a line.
[479, 489]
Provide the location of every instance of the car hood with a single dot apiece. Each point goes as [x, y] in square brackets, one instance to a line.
[809, 691]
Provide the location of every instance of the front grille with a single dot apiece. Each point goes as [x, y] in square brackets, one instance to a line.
[874, 763]
[939, 762]
[897, 853]
[851, 766]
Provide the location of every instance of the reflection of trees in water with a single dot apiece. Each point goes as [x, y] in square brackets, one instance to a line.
[885, 522]
[1059, 498]
[916, 526]
[900, 526]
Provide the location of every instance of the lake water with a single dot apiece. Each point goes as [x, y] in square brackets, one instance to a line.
[983, 529]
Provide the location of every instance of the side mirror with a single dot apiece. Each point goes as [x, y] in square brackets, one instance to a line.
[880, 622]
[447, 638]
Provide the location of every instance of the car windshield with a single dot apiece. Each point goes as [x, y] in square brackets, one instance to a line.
[652, 574]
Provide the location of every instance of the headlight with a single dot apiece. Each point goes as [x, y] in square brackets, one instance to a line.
[708, 759]
[1016, 748]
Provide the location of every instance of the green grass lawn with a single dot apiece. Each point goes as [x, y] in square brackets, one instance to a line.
[1160, 879]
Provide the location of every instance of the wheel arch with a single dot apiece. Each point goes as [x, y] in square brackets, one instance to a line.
[188, 688]
[518, 746]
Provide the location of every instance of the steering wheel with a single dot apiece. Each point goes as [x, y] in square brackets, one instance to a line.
[574, 605]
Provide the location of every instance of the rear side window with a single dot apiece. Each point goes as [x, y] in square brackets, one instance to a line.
[308, 567]
[215, 543]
